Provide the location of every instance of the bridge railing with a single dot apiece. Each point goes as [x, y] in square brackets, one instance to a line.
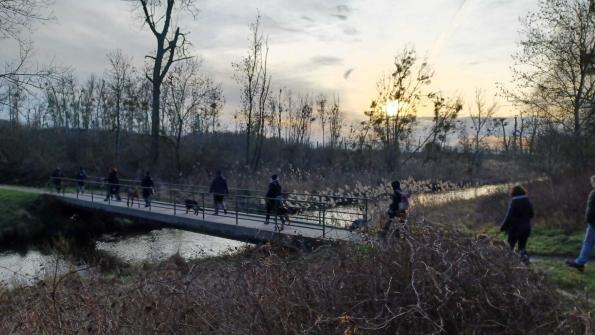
[323, 213]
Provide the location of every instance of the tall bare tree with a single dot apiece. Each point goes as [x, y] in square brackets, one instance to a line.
[335, 122]
[191, 96]
[404, 88]
[119, 77]
[251, 73]
[321, 110]
[159, 16]
[481, 126]
[555, 64]
[16, 18]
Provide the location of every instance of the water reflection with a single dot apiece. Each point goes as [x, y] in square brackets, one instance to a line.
[160, 244]
[29, 267]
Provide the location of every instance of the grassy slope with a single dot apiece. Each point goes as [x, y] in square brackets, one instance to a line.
[544, 241]
[13, 208]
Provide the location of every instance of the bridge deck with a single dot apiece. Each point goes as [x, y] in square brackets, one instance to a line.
[246, 227]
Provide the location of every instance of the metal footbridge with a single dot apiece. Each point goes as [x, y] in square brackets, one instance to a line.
[310, 216]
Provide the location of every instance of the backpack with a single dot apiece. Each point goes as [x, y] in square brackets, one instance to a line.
[404, 203]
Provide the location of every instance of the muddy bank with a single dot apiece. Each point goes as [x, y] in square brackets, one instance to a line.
[34, 219]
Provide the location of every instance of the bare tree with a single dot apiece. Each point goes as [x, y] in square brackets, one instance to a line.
[446, 112]
[554, 67]
[119, 75]
[16, 17]
[481, 126]
[159, 16]
[403, 90]
[321, 109]
[193, 101]
[251, 73]
[335, 122]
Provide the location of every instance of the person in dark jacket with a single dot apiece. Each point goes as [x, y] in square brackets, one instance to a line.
[57, 179]
[80, 180]
[219, 190]
[517, 223]
[147, 185]
[273, 197]
[589, 240]
[397, 208]
[113, 185]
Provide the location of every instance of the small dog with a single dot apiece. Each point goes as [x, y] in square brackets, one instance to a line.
[357, 224]
[192, 205]
[132, 194]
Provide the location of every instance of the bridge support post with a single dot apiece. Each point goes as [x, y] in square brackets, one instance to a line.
[203, 205]
[174, 207]
[236, 197]
[366, 210]
[323, 216]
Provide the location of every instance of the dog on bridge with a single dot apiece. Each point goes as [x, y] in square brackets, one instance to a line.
[192, 205]
[131, 194]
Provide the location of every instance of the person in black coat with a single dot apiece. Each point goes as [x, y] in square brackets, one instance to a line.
[81, 177]
[57, 179]
[274, 193]
[517, 223]
[113, 185]
[219, 190]
[147, 185]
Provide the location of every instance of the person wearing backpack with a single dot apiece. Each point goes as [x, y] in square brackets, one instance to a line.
[400, 202]
[397, 208]
[517, 223]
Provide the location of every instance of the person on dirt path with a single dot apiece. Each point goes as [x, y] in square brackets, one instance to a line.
[273, 197]
[589, 240]
[147, 185]
[57, 179]
[219, 190]
[113, 185]
[398, 207]
[517, 223]
[81, 177]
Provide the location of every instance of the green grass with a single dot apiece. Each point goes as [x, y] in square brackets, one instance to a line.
[545, 241]
[567, 278]
[14, 208]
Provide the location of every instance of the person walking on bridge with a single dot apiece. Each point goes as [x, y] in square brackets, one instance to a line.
[219, 190]
[273, 197]
[113, 185]
[80, 180]
[56, 178]
[517, 223]
[147, 185]
[589, 241]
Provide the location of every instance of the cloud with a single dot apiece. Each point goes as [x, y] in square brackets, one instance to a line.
[340, 16]
[343, 9]
[350, 31]
[326, 60]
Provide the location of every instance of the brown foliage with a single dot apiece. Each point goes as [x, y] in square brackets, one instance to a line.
[429, 281]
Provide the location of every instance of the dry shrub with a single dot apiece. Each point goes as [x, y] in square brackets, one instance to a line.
[429, 281]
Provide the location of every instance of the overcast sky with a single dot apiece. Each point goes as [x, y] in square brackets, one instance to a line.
[313, 43]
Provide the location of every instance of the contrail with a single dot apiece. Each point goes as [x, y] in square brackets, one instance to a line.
[455, 22]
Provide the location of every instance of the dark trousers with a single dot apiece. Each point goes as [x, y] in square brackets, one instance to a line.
[518, 236]
[272, 206]
[147, 199]
[113, 190]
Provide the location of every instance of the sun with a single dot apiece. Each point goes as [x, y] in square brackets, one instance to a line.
[392, 107]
